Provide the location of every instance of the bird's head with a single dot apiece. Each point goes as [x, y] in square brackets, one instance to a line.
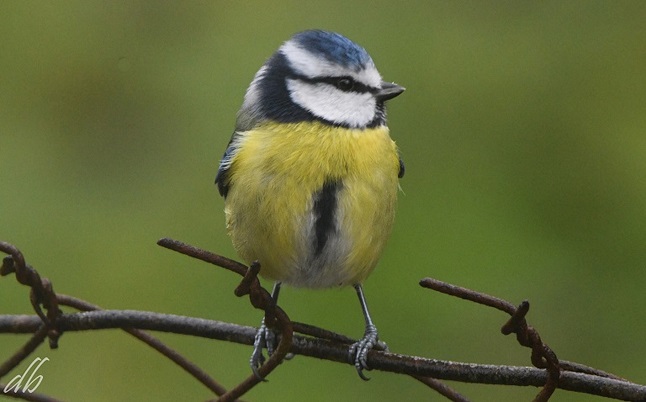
[318, 76]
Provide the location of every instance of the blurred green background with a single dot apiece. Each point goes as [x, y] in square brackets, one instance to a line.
[523, 130]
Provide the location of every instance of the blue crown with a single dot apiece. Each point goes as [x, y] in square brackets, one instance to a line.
[334, 47]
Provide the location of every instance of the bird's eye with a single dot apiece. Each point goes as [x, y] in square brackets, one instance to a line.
[345, 83]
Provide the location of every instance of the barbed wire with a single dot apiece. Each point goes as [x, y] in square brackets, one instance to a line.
[50, 322]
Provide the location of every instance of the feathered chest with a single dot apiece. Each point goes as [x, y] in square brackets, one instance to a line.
[309, 199]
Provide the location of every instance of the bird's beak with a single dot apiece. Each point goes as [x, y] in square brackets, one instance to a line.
[388, 91]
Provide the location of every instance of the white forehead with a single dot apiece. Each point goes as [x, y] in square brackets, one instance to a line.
[311, 66]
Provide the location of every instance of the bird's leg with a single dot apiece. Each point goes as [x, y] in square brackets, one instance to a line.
[359, 350]
[265, 337]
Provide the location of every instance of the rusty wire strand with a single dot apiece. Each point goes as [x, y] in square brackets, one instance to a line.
[332, 346]
[275, 318]
[542, 355]
[505, 306]
[581, 368]
[441, 388]
[42, 292]
[28, 396]
[322, 349]
[259, 297]
[21, 354]
[321, 333]
[154, 343]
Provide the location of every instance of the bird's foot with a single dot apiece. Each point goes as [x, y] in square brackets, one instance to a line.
[265, 338]
[358, 353]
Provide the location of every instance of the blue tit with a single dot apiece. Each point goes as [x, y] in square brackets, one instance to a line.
[310, 176]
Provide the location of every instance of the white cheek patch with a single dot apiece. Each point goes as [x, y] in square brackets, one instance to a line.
[327, 102]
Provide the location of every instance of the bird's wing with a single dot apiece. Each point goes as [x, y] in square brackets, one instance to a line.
[222, 177]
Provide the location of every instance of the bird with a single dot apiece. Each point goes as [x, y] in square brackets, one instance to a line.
[310, 177]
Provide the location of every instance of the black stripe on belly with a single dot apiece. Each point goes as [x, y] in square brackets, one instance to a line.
[325, 205]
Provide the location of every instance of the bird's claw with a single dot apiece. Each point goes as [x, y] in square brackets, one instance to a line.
[358, 352]
[265, 338]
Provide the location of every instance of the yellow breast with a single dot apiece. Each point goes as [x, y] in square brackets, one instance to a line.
[274, 204]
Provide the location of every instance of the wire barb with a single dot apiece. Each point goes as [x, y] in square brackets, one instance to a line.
[275, 319]
[41, 292]
[542, 355]
[323, 344]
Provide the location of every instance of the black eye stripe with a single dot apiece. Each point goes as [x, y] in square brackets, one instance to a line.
[334, 81]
